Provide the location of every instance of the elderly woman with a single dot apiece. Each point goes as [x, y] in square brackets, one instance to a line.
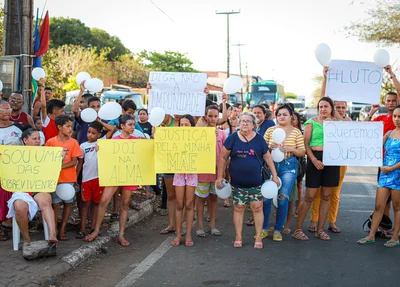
[9, 135]
[247, 150]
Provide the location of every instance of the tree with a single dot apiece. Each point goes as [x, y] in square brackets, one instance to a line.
[290, 96]
[381, 26]
[167, 62]
[130, 72]
[69, 31]
[102, 40]
[316, 94]
[1, 26]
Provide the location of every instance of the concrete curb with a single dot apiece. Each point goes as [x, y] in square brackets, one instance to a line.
[79, 255]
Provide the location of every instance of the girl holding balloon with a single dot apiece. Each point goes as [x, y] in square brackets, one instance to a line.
[286, 143]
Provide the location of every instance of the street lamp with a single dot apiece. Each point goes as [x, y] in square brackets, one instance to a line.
[227, 44]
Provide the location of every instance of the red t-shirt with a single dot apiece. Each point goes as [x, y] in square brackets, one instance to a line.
[388, 124]
[49, 129]
[22, 119]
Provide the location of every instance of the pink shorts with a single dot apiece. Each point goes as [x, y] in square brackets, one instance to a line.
[183, 179]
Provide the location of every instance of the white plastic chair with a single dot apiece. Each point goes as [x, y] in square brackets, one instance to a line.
[17, 234]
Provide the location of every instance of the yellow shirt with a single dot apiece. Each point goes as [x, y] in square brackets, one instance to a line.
[295, 140]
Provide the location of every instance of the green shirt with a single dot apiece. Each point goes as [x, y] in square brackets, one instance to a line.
[317, 136]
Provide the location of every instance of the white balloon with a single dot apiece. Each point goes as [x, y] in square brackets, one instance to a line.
[275, 201]
[88, 115]
[269, 189]
[1, 85]
[82, 76]
[157, 116]
[382, 58]
[225, 191]
[94, 85]
[110, 111]
[65, 191]
[233, 85]
[38, 73]
[278, 135]
[323, 54]
[277, 155]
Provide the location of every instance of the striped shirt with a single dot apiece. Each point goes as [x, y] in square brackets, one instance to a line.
[295, 140]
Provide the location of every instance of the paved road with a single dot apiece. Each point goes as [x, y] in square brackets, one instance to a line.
[151, 261]
[312, 112]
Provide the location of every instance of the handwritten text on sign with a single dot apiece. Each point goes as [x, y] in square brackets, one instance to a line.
[126, 162]
[178, 93]
[185, 150]
[30, 168]
[353, 81]
[353, 143]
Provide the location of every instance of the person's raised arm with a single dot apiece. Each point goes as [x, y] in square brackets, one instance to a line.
[395, 81]
[75, 108]
[323, 87]
[373, 110]
[43, 100]
[224, 118]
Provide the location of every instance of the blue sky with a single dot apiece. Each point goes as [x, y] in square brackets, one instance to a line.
[280, 36]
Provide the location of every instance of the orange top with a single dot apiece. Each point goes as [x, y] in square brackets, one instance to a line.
[71, 149]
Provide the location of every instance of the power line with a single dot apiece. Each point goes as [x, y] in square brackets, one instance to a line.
[161, 10]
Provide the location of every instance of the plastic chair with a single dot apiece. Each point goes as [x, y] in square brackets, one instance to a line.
[17, 234]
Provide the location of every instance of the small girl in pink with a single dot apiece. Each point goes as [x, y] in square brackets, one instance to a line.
[184, 190]
[206, 185]
[127, 124]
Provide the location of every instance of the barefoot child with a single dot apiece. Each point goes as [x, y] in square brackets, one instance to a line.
[71, 153]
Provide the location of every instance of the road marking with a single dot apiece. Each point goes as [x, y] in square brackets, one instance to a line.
[148, 262]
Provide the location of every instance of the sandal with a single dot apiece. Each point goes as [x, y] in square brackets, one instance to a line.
[89, 238]
[124, 243]
[250, 222]
[189, 243]
[258, 245]
[391, 244]
[80, 235]
[215, 232]
[286, 231]
[5, 228]
[163, 212]
[264, 234]
[62, 237]
[114, 216]
[175, 242]
[365, 241]
[277, 236]
[299, 235]
[312, 229]
[167, 231]
[334, 229]
[322, 235]
[200, 233]
[4, 235]
[238, 244]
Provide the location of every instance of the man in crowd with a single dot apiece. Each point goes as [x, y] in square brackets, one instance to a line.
[17, 115]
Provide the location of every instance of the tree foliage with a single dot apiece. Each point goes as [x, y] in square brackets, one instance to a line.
[290, 96]
[1, 26]
[129, 71]
[167, 62]
[381, 26]
[102, 40]
[316, 94]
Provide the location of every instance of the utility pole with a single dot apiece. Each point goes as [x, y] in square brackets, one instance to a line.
[227, 27]
[240, 69]
[17, 42]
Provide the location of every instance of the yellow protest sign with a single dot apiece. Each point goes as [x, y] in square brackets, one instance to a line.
[185, 150]
[30, 168]
[126, 162]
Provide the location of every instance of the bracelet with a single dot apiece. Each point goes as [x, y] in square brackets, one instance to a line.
[313, 159]
[393, 76]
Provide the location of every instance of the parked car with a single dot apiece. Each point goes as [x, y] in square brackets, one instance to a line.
[364, 112]
[119, 96]
[299, 108]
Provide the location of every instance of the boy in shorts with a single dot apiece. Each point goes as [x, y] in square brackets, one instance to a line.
[91, 190]
[71, 153]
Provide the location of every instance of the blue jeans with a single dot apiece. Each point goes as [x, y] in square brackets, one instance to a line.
[287, 171]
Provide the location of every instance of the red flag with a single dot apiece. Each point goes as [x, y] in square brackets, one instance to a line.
[44, 36]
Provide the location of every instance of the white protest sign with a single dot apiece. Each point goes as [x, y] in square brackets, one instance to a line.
[353, 81]
[353, 143]
[178, 93]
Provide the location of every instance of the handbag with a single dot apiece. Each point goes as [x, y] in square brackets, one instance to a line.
[265, 171]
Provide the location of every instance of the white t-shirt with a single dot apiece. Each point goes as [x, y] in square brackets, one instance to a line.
[10, 136]
[42, 138]
[89, 153]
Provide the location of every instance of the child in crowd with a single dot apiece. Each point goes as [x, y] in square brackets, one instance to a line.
[206, 184]
[127, 125]
[128, 108]
[53, 109]
[143, 122]
[184, 190]
[38, 126]
[71, 153]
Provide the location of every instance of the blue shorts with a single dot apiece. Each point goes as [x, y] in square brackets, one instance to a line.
[56, 199]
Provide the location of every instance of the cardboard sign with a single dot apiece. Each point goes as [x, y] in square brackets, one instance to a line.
[178, 93]
[185, 150]
[353, 81]
[353, 143]
[30, 168]
[126, 162]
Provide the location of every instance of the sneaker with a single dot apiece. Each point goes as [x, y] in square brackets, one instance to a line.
[164, 212]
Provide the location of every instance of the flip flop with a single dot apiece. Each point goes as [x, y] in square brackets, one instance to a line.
[89, 238]
[5, 228]
[391, 244]
[167, 231]
[258, 245]
[124, 244]
[175, 243]
[238, 244]
[215, 232]
[63, 237]
[200, 233]
[189, 243]
[334, 229]
[365, 241]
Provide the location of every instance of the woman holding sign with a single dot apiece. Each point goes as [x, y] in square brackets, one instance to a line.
[388, 183]
[246, 148]
[317, 175]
